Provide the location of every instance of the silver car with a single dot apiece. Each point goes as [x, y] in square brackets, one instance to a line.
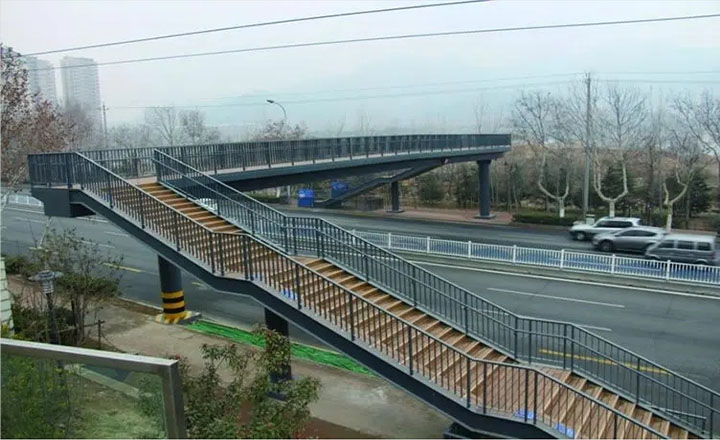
[581, 231]
[636, 239]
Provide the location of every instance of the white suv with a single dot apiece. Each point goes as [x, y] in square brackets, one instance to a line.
[581, 231]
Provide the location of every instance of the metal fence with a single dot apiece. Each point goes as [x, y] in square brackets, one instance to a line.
[559, 259]
[533, 340]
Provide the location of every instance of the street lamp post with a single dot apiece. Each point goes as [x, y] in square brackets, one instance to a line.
[47, 279]
[270, 101]
[285, 120]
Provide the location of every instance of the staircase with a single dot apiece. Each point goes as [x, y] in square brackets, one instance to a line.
[443, 359]
[461, 354]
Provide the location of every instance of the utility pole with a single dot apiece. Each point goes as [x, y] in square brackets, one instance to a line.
[586, 176]
[104, 109]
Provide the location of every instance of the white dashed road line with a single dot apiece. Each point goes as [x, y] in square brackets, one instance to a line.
[559, 298]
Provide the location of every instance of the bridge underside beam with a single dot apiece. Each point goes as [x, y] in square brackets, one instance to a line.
[273, 177]
[375, 183]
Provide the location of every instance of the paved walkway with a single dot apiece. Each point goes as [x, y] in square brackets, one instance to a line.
[368, 405]
[427, 214]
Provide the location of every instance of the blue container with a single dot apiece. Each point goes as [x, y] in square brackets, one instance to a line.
[306, 198]
[338, 188]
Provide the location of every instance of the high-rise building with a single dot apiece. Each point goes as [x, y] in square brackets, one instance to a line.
[81, 85]
[41, 78]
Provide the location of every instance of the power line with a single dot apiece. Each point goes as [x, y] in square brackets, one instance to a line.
[354, 98]
[411, 86]
[254, 25]
[403, 95]
[389, 37]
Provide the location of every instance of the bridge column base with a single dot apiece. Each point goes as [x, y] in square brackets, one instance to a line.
[395, 198]
[173, 296]
[484, 190]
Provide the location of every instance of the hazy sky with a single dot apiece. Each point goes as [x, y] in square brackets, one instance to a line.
[308, 79]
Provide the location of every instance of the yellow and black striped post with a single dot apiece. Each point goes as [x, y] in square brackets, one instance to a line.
[173, 297]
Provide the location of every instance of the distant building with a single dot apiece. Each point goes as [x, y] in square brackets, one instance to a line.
[81, 85]
[41, 78]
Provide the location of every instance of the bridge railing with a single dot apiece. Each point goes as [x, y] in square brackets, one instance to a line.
[515, 391]
[138, 162]
[534, 340]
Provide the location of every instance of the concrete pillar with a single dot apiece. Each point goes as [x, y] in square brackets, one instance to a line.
[280, 325]
[395, 197]
[173, 297]
[484, 189]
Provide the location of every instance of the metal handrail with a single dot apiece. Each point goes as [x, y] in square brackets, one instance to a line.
[637, 358]
[515, 329]
[406, 323]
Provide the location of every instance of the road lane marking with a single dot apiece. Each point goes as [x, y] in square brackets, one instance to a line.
[566, 280]
[129, 269]
[31, 211]
[119, 234]
[25, 219]
[604, 329]
[560, 298]
[90, 219]
[630, 365]
[96, 244]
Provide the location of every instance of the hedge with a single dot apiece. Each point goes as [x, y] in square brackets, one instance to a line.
[544, 218]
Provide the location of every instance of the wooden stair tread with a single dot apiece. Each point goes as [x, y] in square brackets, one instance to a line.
[445, 364]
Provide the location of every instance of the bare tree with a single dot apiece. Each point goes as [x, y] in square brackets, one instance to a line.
[165, 123]
[130, 136]
[28, 124]
[192, 123]
[622, 115]
[279, 130]
[364, 123]
[702, 119]
[686, 161]
[539, 121]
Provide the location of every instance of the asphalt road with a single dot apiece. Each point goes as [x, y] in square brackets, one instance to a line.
[678, 331]
[546, 238]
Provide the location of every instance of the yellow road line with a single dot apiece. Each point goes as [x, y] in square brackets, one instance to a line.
[603, 361]
[129, 269]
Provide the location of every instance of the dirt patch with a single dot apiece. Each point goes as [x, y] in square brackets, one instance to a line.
[321, 429]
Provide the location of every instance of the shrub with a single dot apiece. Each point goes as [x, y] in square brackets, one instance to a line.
[544, 218]
[19, 264]
[268, 198]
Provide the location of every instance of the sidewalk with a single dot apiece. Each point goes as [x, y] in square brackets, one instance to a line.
[351, 405]
[426, 214]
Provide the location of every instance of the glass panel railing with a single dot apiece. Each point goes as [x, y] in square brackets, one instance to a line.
[51, 391]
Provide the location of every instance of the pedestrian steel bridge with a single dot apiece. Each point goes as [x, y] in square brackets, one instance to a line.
[487, 368]
[255, 165]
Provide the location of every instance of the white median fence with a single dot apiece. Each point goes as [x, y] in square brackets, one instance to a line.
[559, 259]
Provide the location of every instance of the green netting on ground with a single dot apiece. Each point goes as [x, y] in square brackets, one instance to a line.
[307, 352]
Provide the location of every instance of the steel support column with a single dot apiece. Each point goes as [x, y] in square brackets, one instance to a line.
[173, 297]
[278, 324]
[395, 197]
[484, 189]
